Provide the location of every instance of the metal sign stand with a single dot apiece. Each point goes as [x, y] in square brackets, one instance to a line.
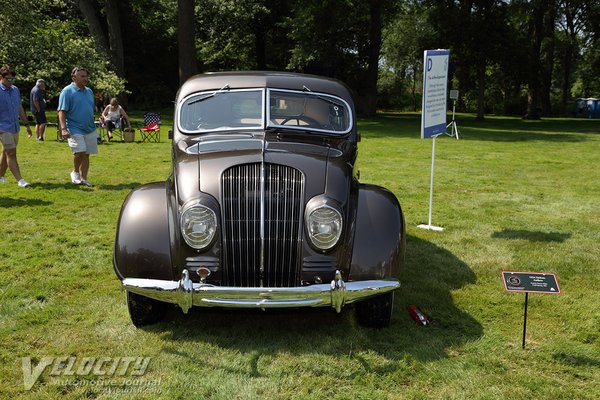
[535, 282]
[429, 226]
[525, 319]
[452, 125]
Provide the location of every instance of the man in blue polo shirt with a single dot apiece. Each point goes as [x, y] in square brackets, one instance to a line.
[76, 123]
[10, 111]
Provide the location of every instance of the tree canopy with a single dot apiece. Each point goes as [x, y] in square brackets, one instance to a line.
[523, 57]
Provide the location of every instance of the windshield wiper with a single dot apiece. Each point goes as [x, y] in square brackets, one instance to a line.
[224, 88]
[327, 99]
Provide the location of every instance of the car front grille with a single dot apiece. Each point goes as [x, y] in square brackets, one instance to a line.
[283, 215]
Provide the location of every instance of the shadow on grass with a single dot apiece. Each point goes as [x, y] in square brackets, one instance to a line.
[492, 134]
[575, 360]
[69, 185]
[429, 275]
[532, 236]
[12, 202]
[499, 129]
[122, 186]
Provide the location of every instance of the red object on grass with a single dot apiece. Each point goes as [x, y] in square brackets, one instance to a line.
[417, 315]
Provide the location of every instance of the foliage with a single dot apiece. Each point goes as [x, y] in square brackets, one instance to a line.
[40, 45]
[400, 73]
[510, 194]
[225, 41]
[496, 62]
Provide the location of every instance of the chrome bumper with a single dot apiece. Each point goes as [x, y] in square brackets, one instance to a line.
[186, 293]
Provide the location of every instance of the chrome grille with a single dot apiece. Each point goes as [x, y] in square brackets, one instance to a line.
[283, 215]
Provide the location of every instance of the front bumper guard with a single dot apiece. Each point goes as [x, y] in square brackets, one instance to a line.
[186, 293]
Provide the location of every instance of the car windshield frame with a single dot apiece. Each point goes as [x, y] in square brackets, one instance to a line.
[287, 110]
[222, 115]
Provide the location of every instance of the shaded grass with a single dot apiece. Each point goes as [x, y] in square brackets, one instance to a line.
[512, 195]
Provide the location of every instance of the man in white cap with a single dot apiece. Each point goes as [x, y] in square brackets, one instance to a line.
[38, 108]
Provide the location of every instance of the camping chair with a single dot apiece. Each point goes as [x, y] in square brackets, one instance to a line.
[150, 132]
[117, 132]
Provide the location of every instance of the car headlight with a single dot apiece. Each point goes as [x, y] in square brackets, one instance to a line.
[324, 225]
[198, 226]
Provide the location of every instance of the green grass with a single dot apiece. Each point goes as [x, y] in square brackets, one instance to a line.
[511, 194]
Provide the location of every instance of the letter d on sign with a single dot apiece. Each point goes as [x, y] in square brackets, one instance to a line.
[429, 64]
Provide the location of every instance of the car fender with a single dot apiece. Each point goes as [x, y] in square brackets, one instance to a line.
[143, 238]
[379, 239]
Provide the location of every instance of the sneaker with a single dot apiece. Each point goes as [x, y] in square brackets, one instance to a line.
[86, 183]
[40, 139]
[23, 183]
[3, 179]
[75, 178]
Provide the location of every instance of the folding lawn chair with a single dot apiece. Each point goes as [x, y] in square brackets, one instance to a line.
[117, 132]
[150, 132]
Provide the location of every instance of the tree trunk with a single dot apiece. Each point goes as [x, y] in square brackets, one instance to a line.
[570, 52]
[115, 37]
[537, 34]
[375, 28]
[481, 66]
[260, 46]
[547, 80]
[547, 69]
[88, 9]
[186, 37]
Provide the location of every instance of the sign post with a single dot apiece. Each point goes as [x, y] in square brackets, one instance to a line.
[534, 282]
[433, 114]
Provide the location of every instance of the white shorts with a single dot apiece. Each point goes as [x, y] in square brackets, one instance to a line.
[87, 144]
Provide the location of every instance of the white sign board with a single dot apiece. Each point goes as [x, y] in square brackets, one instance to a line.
[435, 85]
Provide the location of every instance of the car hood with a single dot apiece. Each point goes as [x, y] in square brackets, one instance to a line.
[201, 161]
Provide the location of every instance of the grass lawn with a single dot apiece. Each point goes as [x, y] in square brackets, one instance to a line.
[512, 195]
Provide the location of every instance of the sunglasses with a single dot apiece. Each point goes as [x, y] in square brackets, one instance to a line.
[10, 79]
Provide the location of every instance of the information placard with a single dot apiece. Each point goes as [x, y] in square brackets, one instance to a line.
[530, 282]
[435, 85]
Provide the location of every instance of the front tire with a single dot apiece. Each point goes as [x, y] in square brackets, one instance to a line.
[143, 310]
[375, 312]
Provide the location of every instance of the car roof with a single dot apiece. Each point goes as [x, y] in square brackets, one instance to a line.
[264, 79]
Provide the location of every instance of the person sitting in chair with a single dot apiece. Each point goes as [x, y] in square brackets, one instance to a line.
[114, 115]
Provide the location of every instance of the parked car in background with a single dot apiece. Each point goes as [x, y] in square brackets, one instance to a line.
[263, 208]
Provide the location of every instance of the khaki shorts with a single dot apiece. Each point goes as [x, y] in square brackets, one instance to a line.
[87, 144]
[9, 140]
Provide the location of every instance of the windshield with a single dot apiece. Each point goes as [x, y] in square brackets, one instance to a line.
[222, 110]
[308, 110]
[226, 110]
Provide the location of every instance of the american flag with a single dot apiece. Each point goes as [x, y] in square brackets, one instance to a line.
[151, 121]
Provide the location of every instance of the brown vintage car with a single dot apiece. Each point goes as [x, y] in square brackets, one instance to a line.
[263, 208]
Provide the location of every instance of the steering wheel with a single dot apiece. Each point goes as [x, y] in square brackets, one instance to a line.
[308, 120]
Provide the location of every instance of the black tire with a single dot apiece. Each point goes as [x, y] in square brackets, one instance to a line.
[143, 310]
[375, 312]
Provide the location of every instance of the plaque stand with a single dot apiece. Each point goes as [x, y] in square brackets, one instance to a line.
[429, 226]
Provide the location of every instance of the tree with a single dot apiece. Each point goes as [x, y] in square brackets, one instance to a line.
[186, 38]
[115, 37]
[58, 41]
[111, 41]
[346, 47]
[571, 24]
[587, 81]
[243, 34]
[405, 37]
